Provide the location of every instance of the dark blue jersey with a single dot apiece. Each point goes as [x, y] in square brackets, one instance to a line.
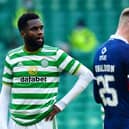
[111, 69]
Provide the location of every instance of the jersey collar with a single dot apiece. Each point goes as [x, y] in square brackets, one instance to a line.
[115, 36]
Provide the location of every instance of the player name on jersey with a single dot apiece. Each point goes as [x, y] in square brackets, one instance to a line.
[105, 68]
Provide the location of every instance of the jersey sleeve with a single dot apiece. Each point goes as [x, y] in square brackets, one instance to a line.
[66, 63]
[7, 72]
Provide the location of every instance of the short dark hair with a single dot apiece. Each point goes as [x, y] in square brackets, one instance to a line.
[22, 22]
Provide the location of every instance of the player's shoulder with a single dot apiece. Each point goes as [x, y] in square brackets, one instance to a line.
[114, 45]
[119, 43]
[55, 50]
[50, 48]
[122, 46]
[15, 51]
[126, 46]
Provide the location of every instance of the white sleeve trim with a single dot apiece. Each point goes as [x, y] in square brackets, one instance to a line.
[4, 103]
[85, 77]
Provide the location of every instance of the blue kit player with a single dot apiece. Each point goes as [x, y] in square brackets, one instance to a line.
[111, 69]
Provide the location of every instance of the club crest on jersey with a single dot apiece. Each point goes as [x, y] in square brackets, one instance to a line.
[44, 63]
[32, 70]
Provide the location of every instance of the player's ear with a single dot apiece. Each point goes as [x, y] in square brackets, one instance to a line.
[23, 33]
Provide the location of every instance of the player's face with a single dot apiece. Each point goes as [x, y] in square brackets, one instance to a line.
[33, 34]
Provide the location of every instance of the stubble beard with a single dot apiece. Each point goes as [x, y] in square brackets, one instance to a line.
[33, 45]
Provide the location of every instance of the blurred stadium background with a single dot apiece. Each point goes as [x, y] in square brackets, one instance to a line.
[59, 17]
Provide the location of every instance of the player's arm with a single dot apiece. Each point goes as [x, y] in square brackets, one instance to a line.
[85, 77]
[4, 104]
[5, 94]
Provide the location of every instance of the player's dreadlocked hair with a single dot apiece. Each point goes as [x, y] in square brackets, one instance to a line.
[22, 22]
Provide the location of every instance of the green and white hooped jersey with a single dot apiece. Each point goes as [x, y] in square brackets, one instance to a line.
[34, 78]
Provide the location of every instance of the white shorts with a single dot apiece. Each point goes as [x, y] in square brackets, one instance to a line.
[41, 125]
